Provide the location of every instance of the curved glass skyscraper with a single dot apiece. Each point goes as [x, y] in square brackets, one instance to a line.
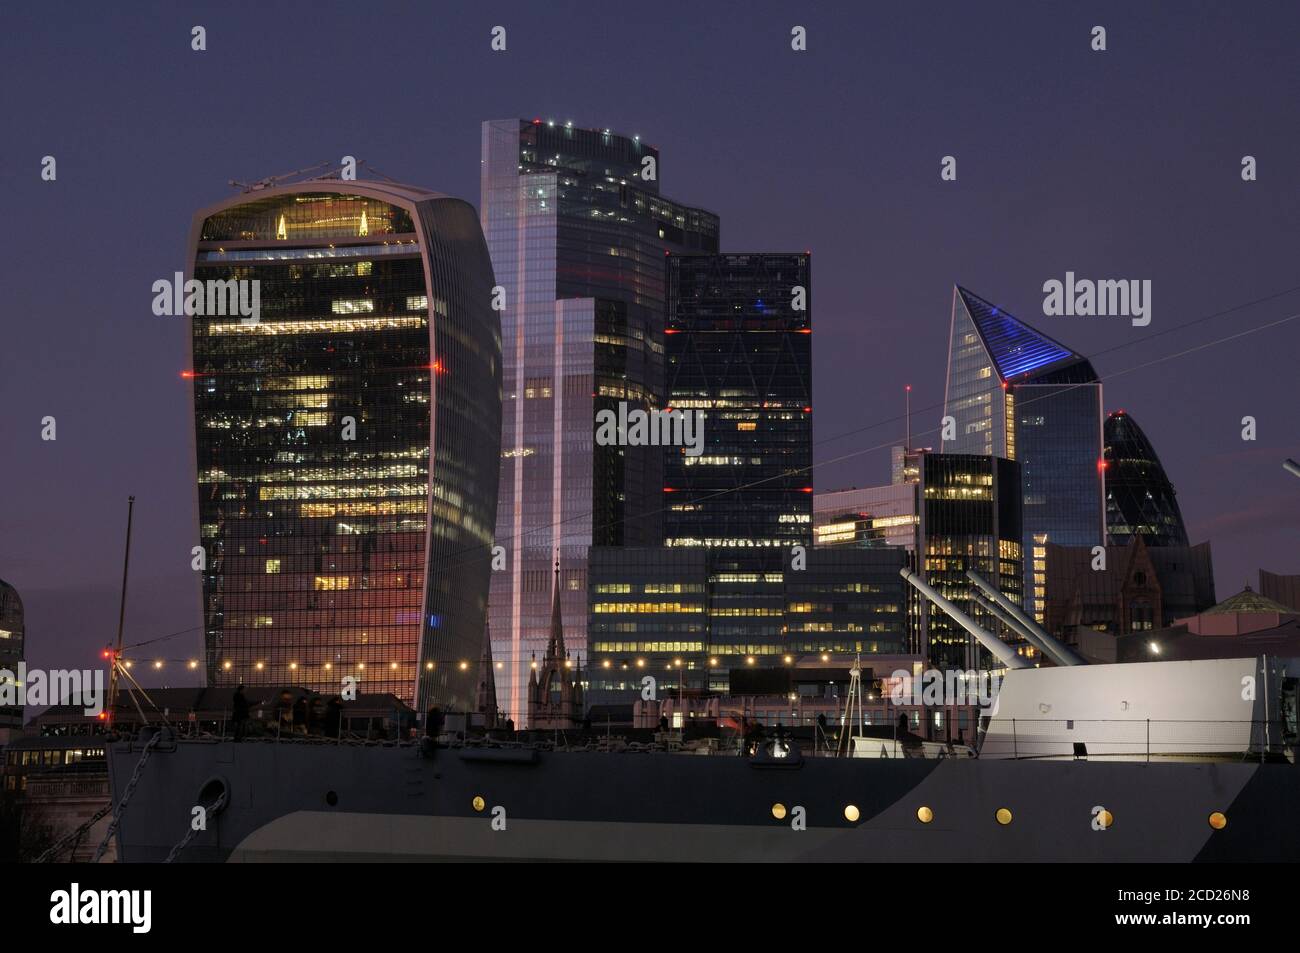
[347, 437]
[1140, 500]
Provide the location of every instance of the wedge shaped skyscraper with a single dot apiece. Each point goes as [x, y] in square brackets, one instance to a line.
[1014, 392]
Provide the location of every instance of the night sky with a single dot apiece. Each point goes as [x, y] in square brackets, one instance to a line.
[1122, 164]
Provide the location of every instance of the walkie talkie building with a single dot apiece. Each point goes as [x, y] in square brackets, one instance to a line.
[347, 439]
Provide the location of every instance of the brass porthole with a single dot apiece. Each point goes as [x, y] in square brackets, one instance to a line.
[1218, 820]
[1003, 816]
[778, 811]
[924, 815]
[479, 803]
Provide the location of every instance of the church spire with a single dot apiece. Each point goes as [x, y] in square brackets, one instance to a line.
[555, 648]
[487, 682]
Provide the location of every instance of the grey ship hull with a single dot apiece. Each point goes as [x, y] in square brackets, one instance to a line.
[392, 804]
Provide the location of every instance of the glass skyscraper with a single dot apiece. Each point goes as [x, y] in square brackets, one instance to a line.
[739, 344]
[1140, 500]
[969, 519]
[1015, 393]
[577, 232]
[12, 635]
[347, 441]
[675, 614]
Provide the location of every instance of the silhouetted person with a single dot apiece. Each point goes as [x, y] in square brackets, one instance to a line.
[284, 711]
[239, 712]
[333, 717]
[910, 743]
[433, 722]
[510, 726]
[300, 714]
[586, 723]
[663, 722]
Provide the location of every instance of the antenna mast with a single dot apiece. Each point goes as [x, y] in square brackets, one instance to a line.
[116, 658]
[907, 443]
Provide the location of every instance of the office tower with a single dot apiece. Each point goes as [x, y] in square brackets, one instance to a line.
[1013, 392]
[674, 614]
[1140, 500]
[1280, 588]
[739, 347]
[12, 638]
[577, 232]
[867, 516]
[969, 519]
[347, 439]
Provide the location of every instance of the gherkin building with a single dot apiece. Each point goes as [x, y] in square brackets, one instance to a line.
[1140, 500]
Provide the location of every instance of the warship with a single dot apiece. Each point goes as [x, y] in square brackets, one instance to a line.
[1172, 761]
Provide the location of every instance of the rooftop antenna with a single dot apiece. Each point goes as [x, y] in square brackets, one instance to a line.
[271, 180]
[907, 443]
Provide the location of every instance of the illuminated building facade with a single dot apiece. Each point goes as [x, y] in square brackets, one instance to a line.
[969, 519]
[1015, 393]
[867, 516]
[12, 638]
[347, 440]
[1140, 500]
[739, 347]
[577, 231]
[688, 618]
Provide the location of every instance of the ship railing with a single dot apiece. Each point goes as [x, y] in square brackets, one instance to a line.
[1141, 739]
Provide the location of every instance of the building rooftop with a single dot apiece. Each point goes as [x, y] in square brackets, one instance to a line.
[1248, 601]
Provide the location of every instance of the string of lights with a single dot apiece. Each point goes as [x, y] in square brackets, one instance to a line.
[445, 562]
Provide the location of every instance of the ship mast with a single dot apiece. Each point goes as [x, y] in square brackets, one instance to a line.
[115, 660]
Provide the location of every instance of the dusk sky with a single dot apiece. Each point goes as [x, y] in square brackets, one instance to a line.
[1121, 164]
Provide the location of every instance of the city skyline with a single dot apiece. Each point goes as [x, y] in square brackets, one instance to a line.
[65, 558]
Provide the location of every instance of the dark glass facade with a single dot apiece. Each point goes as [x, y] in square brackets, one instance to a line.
[970, 519]
[1140, 500]
[12, 636]
[1015, 393]
[740, 355]
[347, 441]
[577, 238]
[686, 616]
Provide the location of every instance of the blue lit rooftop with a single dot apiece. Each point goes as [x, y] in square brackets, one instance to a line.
[1015, 348]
